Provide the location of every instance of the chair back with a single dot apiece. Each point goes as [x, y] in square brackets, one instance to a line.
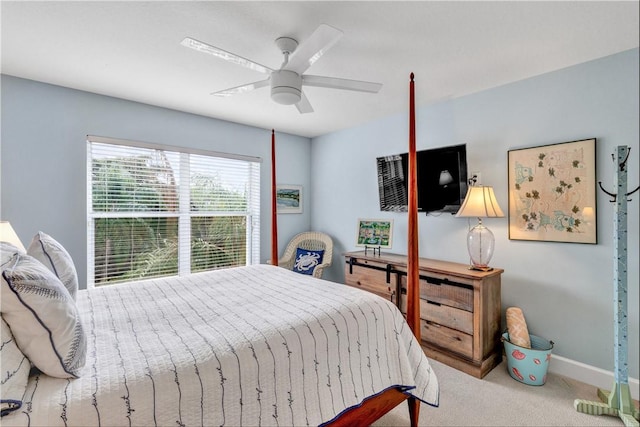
[309, 240]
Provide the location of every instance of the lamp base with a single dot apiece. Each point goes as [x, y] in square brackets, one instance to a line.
[480, 243]
[473, 267]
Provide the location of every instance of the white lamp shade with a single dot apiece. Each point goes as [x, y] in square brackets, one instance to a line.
[480, 202]
[445, 177]
[7, 234]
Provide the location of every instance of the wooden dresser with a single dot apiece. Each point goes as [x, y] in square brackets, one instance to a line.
[460, 309]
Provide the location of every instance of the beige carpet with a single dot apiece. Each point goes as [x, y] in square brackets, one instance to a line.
[499, 400]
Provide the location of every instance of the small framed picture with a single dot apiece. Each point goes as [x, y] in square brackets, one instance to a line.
[289, 198]
[375, 232]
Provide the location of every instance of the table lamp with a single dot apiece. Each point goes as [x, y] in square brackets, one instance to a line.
[7, 234]
[480, 202]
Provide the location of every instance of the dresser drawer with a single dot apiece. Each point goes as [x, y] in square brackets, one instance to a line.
[371, 277]
[443, 290]
[446, 338]
[444, 315]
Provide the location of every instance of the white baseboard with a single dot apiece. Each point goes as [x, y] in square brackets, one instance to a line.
[589, 374]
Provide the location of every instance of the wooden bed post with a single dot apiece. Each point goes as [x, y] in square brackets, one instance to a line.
[413, 261]
[274, 210]
[374, 407]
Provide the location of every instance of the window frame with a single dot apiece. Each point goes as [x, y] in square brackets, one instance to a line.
[184, 214]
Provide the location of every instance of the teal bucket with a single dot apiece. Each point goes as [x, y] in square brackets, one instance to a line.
[528, 365]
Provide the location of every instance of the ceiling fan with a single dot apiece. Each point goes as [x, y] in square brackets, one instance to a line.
[287, 81]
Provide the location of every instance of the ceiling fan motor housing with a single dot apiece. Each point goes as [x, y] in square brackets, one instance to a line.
[286, 87]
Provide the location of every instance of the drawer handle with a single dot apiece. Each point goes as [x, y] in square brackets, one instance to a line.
[431, 280]
[430, 323]
[434, 303]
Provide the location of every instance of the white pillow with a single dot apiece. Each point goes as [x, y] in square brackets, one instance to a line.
[55, 257]
[7, 251]
[15, 372]
[43, 317]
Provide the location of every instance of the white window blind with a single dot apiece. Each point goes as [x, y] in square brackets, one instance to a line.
[160, 211]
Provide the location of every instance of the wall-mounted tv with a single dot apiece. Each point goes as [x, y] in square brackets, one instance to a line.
[442, 179]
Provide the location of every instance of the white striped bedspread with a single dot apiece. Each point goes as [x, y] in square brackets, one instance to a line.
[252, 346]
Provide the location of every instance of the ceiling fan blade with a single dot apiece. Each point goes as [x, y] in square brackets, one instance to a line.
[304, 106]
[241, 89]
[223, 54]
[337, 83]
[313, 48]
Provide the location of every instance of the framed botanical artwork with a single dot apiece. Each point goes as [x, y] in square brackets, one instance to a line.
[552, 192]
[375, 232]
[289, 198]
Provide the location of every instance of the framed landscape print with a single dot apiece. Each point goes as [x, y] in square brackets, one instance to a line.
[375, 232]
[552, 192]
[289, 198]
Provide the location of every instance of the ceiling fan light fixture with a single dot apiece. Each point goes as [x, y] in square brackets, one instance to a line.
[285, 95]
[286, 87]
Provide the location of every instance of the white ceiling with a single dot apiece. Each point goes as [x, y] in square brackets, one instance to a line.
[132, 50]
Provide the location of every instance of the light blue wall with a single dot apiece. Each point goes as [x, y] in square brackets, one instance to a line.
[565, 290]
[43, 157]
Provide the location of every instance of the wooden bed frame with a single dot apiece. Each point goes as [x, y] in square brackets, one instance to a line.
[376, 406]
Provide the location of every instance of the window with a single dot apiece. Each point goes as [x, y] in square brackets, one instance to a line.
[162, 211]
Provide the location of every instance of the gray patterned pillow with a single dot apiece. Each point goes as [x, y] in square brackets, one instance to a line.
[15, 372]
[43, 317]
[55, 257]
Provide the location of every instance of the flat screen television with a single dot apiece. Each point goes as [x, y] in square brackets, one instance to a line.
[441, 174]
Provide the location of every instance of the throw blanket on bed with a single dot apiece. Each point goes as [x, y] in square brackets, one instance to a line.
[256, 345]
